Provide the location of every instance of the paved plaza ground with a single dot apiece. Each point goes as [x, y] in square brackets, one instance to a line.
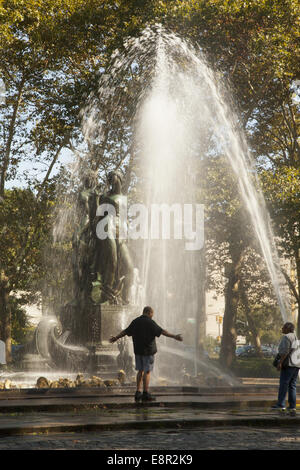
[225, 438]
[182, 419]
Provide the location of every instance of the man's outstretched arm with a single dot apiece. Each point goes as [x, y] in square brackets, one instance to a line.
[113, 339]
[169, 335]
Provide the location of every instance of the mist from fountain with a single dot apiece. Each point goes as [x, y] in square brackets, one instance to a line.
[178, 116]
[183, 117]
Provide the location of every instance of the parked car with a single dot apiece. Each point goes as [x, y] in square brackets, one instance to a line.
[267, 351]
[271, 349]
[250, 351]
[242, 349]
[247, 351]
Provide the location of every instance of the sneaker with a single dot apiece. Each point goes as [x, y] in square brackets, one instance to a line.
[138, 396]
[148, 397]
[292, 412]
[279, 408]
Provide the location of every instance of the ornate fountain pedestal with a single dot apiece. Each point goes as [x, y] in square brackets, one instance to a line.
[105, 321]
[104, 283]
[80, 341]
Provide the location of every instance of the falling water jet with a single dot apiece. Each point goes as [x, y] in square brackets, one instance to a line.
[212, 371]
[177, 98]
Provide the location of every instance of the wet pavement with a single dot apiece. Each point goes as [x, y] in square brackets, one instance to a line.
[224, 438]
[184, 418]
[139, 418]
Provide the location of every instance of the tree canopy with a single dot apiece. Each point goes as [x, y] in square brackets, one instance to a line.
[53, 53]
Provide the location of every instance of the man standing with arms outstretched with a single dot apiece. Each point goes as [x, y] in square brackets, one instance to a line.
[144, 330]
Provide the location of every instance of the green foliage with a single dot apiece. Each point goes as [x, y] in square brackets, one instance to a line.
[254, 367]
[267, 320]
[22, 330]
[24, 222]
[282, 190]
[51, 55]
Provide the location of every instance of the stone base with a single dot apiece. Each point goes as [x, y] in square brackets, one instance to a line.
[91, 328]
[34, 362]
[106, 321]
[95, 324]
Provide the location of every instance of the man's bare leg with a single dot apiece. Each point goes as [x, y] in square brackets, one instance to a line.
[139, 380]
[146, 381]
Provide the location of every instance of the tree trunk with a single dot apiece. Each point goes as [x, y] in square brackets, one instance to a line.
[298, 292]
[11, 132]
[5, 313]
[251, 323]
[293, 284]
[228, 343]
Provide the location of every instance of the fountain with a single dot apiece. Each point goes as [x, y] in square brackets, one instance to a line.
[177, 117]
[103, 278]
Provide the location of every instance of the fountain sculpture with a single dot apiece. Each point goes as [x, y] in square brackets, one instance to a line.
[179, 117]
[103, 275]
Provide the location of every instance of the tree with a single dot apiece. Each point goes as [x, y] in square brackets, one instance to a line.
[24, 222]
[282, 189]
[52, 54]
[228, 236]
[257, 307]
[234, 259]
[254, 48]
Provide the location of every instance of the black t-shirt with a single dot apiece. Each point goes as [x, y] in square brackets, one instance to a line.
[143, 331]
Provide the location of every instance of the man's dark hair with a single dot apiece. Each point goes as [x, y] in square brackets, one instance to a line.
[290, 326]
[147, 310]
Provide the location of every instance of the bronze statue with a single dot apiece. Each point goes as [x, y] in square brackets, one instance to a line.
[83, 240]
[103, 270]
[103, 274]
[112, 262]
